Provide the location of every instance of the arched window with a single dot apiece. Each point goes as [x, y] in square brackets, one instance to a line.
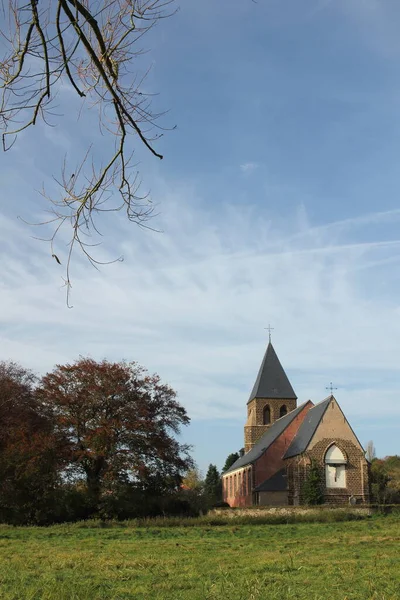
[283, 411]
[335, 467]
[234, 484]
[267, 415]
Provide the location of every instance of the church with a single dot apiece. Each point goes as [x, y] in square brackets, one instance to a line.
[281, 442]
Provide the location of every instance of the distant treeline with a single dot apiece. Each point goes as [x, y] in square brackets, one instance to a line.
[385, 480]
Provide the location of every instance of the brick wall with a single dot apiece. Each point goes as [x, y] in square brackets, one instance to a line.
[237, 487]
[357, 475]
[272, 498]
[333, 428]
[254, 431]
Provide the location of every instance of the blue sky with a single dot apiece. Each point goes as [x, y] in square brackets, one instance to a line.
[278, 199]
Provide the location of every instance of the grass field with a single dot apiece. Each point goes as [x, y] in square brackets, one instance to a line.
[335, 561]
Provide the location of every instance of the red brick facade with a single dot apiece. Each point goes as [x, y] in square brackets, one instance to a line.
[237, 490]
[237, 487]
[272, 460]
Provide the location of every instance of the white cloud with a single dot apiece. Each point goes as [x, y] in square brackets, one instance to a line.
[248, 167]
[192, 304]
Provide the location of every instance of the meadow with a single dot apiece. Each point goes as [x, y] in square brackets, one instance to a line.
[237, 561]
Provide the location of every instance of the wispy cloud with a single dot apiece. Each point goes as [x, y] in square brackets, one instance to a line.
[248, 167]
[192, 303]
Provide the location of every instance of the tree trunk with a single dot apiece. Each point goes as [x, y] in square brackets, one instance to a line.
[94, 483]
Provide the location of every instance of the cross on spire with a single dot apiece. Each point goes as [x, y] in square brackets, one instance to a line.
[269, 328]
[331, 388]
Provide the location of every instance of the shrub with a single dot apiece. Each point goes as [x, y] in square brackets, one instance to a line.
[312, 488]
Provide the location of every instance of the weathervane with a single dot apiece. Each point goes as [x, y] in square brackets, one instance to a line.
[269, 328]
[331, 388]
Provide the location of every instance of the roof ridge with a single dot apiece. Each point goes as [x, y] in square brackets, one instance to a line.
[307, 429]
[267, 438]
[325, 399]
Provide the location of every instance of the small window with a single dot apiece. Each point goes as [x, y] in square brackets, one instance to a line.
[335, 468]
[283, 411]
[267, 415]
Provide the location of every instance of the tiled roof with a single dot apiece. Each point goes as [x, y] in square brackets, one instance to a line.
[307, 428]
[276, 483]
[272, 381]
[267, 439]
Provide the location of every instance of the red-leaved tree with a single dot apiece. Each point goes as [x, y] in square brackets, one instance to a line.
[120, 425]
[31, 455]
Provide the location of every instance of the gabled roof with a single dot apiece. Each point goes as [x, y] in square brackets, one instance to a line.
[267, 439]
[272, 381]
[276, 483]
[307, 428]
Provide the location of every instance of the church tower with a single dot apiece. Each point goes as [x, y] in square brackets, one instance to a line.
[271, 398]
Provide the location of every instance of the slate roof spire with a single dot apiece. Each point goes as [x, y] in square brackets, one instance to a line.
[272, 381]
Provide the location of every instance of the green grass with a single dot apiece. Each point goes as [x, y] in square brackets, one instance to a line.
[304, 561]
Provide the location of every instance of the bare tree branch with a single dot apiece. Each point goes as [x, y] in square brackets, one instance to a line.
[90, 45]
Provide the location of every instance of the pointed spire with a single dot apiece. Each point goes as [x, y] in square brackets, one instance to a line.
[272, 381]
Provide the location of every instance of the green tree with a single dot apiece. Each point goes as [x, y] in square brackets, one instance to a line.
[380, 479]
[392, 464]
[213, 485]
[312, 487]
[232, 458]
